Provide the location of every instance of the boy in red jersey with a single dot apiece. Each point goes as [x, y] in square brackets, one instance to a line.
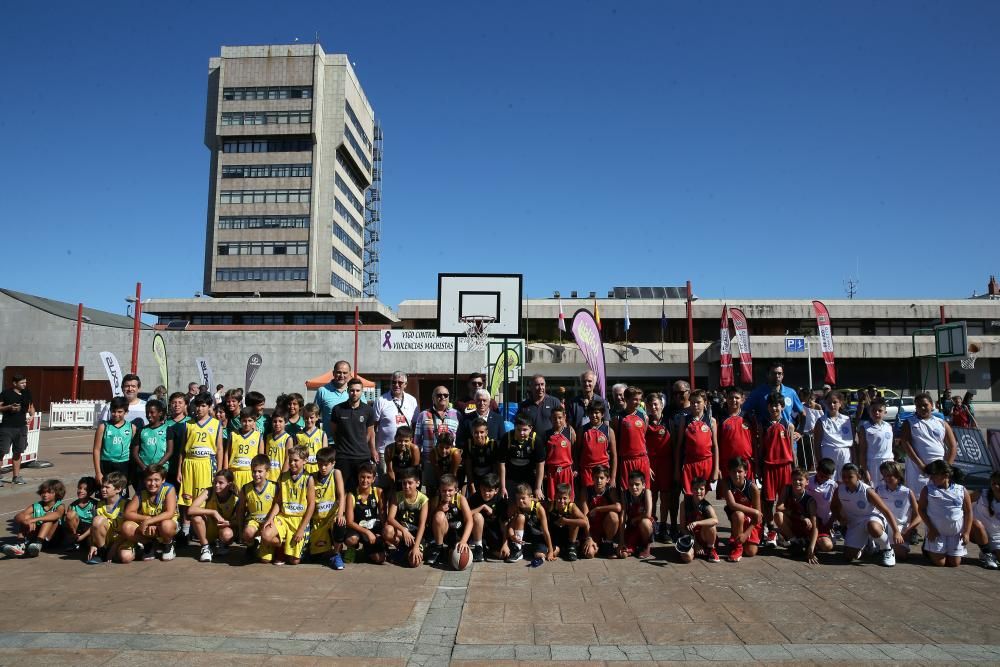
[558, 454]
[661, 463]
[595, 446]
[630, 437]
[599, 503]
[696, 453]
[743, 510]
[736, 434]
[775, 460]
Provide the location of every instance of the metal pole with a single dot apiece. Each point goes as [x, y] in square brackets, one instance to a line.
[947, 379]
[76, 356]
[809, 362]
[690, 338]
[137, 313]
[454, 373]
[357, 321]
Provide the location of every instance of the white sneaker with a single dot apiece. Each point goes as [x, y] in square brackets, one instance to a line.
[168, 552]
[988, 560]
[888, 558]
[206, 554]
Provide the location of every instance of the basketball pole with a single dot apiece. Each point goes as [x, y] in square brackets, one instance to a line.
[506, 379]
[947, 380]
[454, 372]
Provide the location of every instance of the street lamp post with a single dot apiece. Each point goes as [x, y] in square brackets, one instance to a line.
[690, 319]
[76, 355]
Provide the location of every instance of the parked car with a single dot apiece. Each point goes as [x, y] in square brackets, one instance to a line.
[894, 405]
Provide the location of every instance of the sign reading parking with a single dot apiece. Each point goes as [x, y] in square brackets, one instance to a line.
[795, 344]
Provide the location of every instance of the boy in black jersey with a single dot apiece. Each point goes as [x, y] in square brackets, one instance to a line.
[489, 517]
[566, 521]
[522, 459]
[481, 454]
[406, 519]
[528, 528]
[450, 522]
[365, 516]
[699, 521]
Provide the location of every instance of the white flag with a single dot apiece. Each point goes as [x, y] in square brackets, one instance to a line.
[114, 371]
[205, 373]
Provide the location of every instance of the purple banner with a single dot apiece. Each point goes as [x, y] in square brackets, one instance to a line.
[588, 337]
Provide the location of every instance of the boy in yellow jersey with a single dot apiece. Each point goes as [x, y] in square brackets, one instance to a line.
[256, 499]
[201, 454]
[215, 516]
[451, 520]
[150, 516]
[108, 519]
[365, 511]
[407, 519]
[276, 446]
[287, 523]
[243, 446]
[312, 437]
[329, 525]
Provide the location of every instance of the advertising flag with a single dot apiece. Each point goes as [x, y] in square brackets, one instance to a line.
[663, 317]
[743, 338]
[114, 371]
[253, 365]
[506, 361]
[587, 332]
[205, 373]
[160, 352]
[825, 340]
[628, 322]
[725, 351]
[597, 318]
[562, 317]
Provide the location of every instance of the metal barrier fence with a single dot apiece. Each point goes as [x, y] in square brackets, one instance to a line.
[81, 414]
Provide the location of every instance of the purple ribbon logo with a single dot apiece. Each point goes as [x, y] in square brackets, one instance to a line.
[387, 343]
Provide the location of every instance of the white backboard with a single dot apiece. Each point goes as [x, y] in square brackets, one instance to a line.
[951, 341]
[491, 295]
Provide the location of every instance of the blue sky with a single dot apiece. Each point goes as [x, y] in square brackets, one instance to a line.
[757, 149]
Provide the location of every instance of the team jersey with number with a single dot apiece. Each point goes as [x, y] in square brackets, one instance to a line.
[408, 512]
[259, 502]
[294, 493]
[313, 442]
[326, 495]
[275, 448]
[776, 446]
[735, 439]
[152, 444]
[631, 436]
[697, 441]
[242, 449]
[201, 438]
[366, 509]
[117, 442]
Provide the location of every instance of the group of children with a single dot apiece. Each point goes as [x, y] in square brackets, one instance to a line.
[272, 485]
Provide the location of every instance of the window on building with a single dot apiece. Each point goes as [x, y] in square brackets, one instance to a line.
[352, 140]
[264, 248]
[265, 196]
[344, 286]
[265, 117]
[357, 125]
[348, 218]
[211, 319]
[346, 239]
[267, 145]
[263, 319]
[351, 170]
[351, 267]
[344, 188]
[261, 274]
[266, 170]
[264, 222]
[267, 93]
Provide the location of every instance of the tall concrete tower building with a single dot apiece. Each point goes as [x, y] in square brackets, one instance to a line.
[291, 134]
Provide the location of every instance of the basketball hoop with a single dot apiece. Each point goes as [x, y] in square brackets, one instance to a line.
[477, 330]
[970, 361]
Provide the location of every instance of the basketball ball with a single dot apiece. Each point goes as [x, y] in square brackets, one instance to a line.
[460, 560]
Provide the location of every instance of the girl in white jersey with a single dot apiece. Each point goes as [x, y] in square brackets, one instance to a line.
[901, 502]
[925, 438]
[946, 508]
[986, 523]
[833, 436]
[875, 440]
[824, 491]
[864, 516]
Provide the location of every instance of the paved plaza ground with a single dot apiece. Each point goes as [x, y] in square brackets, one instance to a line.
[56, 610]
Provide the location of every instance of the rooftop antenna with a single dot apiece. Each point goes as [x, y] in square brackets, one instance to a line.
[851, 287]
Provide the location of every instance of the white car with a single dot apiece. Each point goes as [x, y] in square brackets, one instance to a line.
[893, 406]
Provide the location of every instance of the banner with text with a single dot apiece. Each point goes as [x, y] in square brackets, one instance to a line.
[825, 340]
[725, 351]
[588, 336]
[205, 373]
[743, 338]
[418, 340]
[114, 371]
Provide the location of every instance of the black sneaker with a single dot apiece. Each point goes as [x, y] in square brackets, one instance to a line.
[606, 549]
[433, 553]
[515, 555]
[478, 556]
[571, 554]
[662, 534]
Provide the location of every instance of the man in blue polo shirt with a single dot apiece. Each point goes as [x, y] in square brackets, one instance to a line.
[756, 403]
[332, 394]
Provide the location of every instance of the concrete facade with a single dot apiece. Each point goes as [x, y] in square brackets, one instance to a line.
[259, 97]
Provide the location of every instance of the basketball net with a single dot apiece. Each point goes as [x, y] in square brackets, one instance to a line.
[477, 330]
[969, 362]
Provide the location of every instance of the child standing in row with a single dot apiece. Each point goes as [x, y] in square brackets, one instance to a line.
[875, 440]
[661, 464]
[596, 447]
[558, 454]
[833, 436]
[776, 458]
[697, 451]
[310, 436]
[630, 436]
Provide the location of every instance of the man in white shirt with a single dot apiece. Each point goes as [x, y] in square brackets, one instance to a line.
[393, 409]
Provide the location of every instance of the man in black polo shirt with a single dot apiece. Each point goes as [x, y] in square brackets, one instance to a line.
[17, 409]
[538, 406]
[353, 426]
